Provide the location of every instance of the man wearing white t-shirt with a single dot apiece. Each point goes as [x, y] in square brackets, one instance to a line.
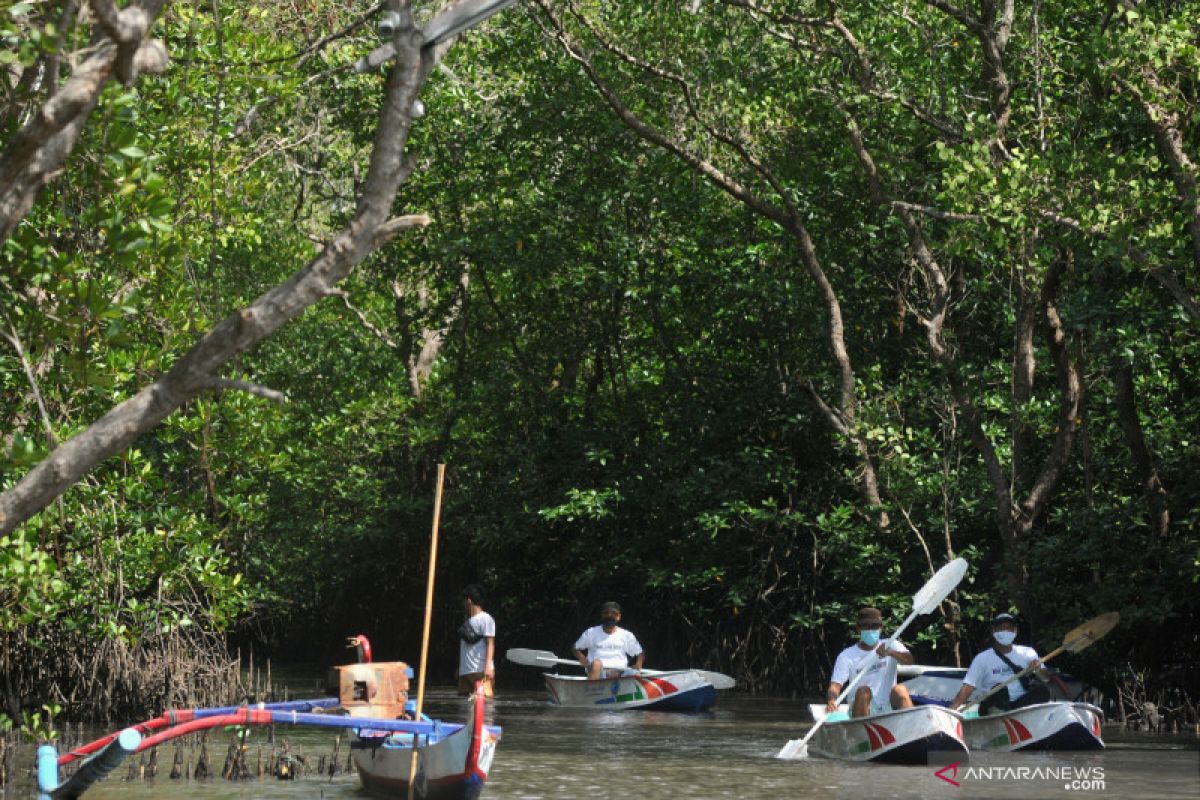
[995, 665]
[876, 691]
[477, 645]
[608, 647]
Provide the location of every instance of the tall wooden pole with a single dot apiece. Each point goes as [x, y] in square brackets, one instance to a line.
[433, 547]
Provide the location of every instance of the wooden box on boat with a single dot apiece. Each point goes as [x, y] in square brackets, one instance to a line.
[906, 736]
[680, 690]
[374, 689]
[1045, 726]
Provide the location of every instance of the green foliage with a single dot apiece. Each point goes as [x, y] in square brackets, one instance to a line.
[38, 726]
[621, 394]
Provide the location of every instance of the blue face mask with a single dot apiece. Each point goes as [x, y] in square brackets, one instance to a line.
[869, 638]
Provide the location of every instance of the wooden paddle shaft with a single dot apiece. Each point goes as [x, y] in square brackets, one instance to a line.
[433, 547]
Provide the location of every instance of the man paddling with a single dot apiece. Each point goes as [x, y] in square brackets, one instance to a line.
[999, 662]
[877, 691]
[608, 647]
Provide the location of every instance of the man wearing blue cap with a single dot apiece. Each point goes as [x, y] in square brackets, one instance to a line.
[999, 663]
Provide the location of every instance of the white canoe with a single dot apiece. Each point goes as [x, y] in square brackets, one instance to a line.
[678, 690]
[930, 685]
[906, 736]
[452, 760]
[1045, 726]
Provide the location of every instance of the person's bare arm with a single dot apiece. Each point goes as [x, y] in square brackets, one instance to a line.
[961, 698]
[831, 696]
[901, 656]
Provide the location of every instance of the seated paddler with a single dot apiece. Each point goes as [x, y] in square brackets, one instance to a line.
[609, 647]
[876, 691]
[998, 663]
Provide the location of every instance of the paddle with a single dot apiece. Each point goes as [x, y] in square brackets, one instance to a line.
[924, 601]
[544, 658]
[1075, 640]
[433, 546]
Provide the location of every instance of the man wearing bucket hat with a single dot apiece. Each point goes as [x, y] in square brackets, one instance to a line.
[998, 663]
[608, 647]
[877, 691]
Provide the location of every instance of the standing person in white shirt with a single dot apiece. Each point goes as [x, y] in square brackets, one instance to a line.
[477, 645]
[877, 690]
[608, 647]
[995, 665]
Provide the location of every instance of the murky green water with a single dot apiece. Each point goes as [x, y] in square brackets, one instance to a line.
[549, 753]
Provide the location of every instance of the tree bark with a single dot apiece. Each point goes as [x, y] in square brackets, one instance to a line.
[840, 416]
[199, 369]
[35, 154]
[1143, 460]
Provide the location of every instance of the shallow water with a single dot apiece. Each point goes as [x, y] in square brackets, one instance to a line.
[549, 753]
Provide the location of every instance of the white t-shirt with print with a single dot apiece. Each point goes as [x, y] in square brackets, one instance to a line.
[613, 650]
[987, 669]
[472, 658]
[880, 677]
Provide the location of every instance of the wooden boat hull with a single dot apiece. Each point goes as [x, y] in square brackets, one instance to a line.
[682, 690]
[1045, 726]
[907, 736]
[453, 767]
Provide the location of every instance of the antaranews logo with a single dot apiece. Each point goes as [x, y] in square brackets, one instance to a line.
[952, 769]
[1072, 777]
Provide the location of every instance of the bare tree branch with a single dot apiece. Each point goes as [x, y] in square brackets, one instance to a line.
[783, 214]
[1168, 130]
[373, 329]
[15, 341]
[199, 368]
[35, 153]
[221, 384]
[1125, 398]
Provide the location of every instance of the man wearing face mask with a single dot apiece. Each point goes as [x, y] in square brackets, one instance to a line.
[608, 647]
[998, 663]
[877, 690]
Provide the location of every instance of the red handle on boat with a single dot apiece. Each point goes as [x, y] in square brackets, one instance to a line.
[248, 716]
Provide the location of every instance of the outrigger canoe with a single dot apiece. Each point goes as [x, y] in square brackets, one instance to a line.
[906, 736]
[680, 690]
[1045, 726]
[444, 761]
[452, 761]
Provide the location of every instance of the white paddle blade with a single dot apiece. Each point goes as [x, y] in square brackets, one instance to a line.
[717, 679]
[794, 749]
[941, 584]
[531, 658]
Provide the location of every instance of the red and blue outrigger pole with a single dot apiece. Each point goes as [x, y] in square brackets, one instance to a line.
[112, 749]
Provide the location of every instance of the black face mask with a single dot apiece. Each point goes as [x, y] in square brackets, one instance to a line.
[608, 623]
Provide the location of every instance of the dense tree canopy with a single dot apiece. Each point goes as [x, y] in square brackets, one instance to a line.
[744, 313]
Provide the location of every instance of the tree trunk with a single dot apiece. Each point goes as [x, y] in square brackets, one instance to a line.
[1139, 451]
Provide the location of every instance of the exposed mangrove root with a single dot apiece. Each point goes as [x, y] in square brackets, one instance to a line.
[113, 679]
